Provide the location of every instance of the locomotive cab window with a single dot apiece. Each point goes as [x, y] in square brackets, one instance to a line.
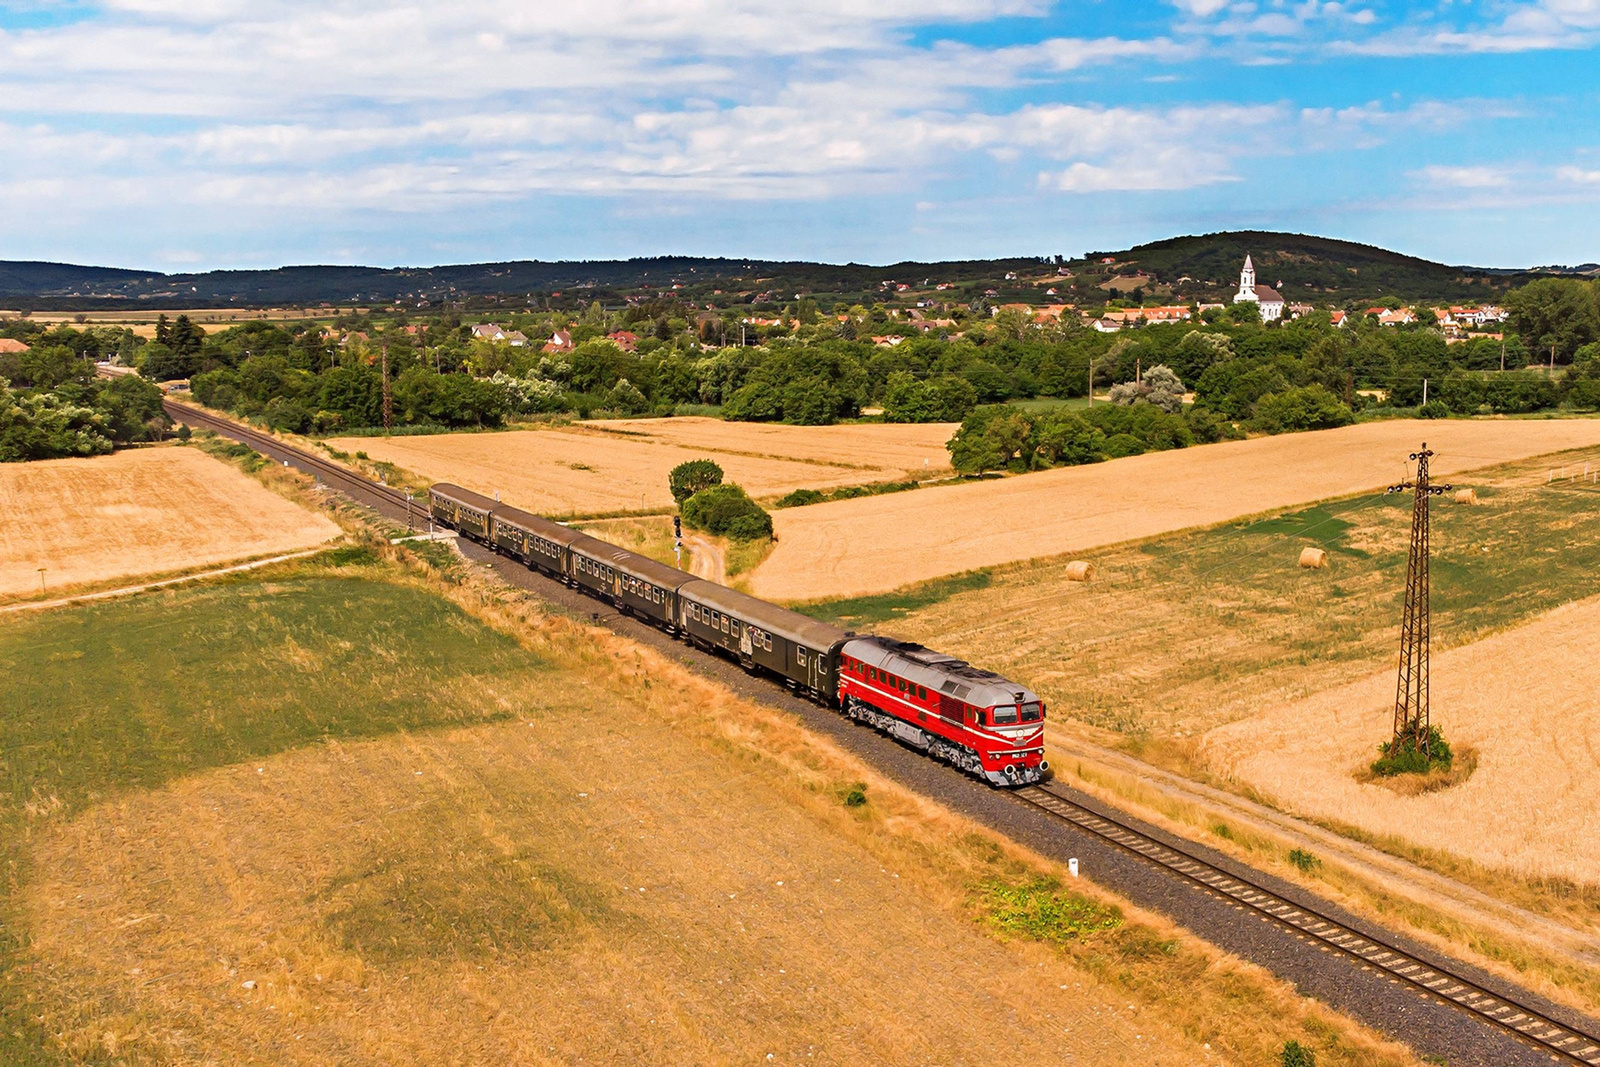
[1032, 712]
[922, 693]
[1005, 715]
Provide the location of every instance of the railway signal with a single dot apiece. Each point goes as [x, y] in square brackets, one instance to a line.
[677, 538]
[1411, 690]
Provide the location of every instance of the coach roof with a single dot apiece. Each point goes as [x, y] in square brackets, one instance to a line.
[789, 625]
[630, 562]
[550, 531]
[464, 496]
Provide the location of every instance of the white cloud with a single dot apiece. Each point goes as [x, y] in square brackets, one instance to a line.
[1479, 177]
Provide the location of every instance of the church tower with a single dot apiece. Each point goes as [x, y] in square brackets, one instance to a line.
[1247, 281]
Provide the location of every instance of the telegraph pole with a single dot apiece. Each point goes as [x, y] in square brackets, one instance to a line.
[1411, 691]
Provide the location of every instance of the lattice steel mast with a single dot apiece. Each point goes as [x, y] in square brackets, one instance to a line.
[1411, 691]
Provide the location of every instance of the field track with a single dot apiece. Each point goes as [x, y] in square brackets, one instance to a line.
[876, 544]
[1425, 1020]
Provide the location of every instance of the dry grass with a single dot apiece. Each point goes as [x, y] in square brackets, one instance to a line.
[568, 472]
[875, 544]
[138, 513]
[912, 450]
[1524, 699]
[453, 896]
[697, 893]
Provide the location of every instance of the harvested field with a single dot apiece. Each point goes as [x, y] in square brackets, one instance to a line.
[904, 449]
[487, 891]
[1181, 634]
[1525, 699]
[575, 472]
[138, 513]
[875, 544]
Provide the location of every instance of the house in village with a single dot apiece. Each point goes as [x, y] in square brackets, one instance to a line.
[488, 331]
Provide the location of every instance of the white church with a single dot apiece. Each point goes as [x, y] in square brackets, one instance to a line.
[1265, 295]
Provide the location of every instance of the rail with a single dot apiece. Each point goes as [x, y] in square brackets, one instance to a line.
[1564, 1042]
[328, 470]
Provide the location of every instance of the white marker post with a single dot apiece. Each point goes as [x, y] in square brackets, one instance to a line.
[1072, 866]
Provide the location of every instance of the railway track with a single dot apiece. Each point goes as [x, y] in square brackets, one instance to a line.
[1562, 1042]
[1566, 1043]
[325, 469]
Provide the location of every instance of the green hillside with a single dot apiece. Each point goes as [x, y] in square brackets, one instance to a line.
[1314, 270]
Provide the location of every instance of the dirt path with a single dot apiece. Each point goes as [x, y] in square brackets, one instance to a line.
[1396, 875]
[706, 560]
[129, 590]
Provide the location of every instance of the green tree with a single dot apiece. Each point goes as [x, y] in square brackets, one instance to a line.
[1556, 313]
[1066, 438]
[989, 439]
[695, 476]
[1309, 407]
[44, 426]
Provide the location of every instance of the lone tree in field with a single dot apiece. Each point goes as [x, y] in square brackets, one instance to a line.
[687, 479]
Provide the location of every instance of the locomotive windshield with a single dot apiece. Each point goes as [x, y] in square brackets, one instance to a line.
[1008, 714]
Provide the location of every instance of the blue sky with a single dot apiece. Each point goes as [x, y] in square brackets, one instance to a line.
[191, 134]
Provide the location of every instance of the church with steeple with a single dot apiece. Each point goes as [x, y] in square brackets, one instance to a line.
[1265, 295]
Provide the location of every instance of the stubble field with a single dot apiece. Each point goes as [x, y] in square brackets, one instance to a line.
[1218, 634]
[910, 449]
[137, 513]
[409, 836]
[872, 545]
[580, 471]
[1524, 699]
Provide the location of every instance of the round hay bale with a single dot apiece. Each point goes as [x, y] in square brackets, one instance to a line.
[1466, 496]
[1313, 558]
[1080, 570]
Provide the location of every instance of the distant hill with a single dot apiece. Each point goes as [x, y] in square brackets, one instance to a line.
[1311, 269]
[1314, 270]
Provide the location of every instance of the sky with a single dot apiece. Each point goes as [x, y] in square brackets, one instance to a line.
[183, 135]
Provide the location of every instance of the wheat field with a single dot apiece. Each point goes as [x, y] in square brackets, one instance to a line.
[1525, 699]
[136, 513]
[580, 471]
[914, 450]
[875, 544]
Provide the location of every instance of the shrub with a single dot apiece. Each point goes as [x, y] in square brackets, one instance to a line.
[800, 498]
[1310, 407]
[1303, 859]
[687, 479]
[1434, 409]
[1403, 755]
[728, 511]
[1297, 1055]
[1119, 446]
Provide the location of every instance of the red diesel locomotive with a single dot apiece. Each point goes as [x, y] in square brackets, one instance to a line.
[975, 719]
